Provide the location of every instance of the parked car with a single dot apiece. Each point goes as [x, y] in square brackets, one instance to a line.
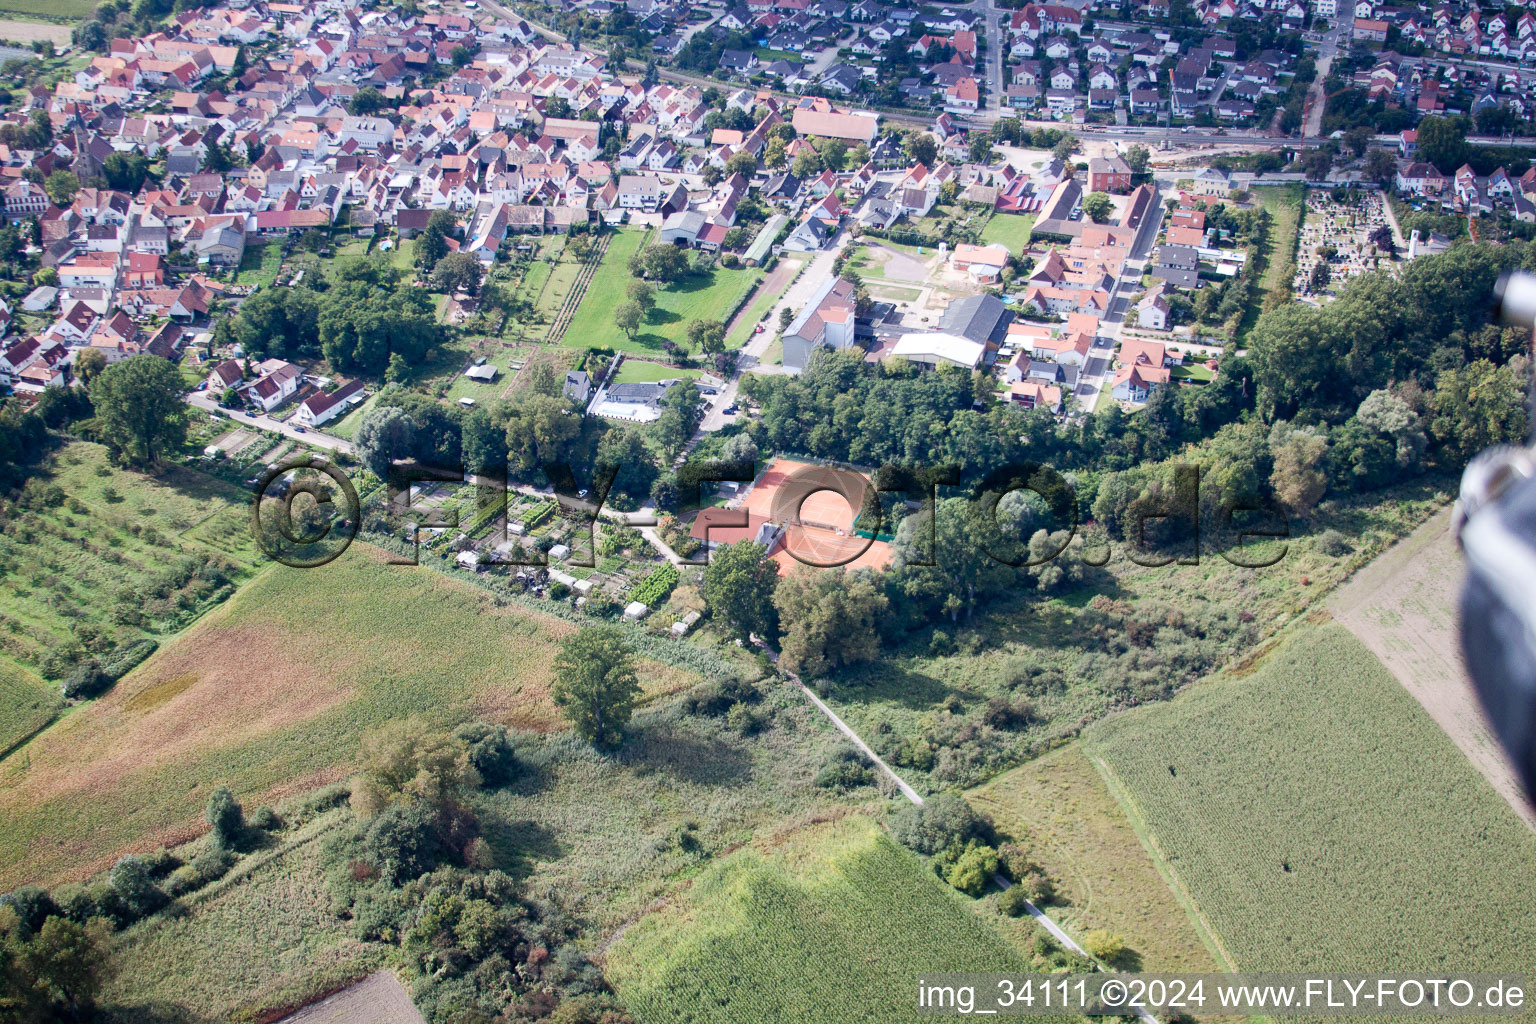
[300, 429]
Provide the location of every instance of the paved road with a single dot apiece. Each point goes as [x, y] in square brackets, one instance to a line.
[202, 400]
[1098, 370]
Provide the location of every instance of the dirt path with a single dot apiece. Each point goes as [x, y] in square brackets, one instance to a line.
[774, 283]
[1403, 607]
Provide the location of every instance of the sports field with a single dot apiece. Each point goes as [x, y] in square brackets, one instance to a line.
[1320, 821]
[269, 695]
[832, 923]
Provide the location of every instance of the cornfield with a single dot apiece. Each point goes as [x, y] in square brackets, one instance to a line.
[1322, 822]
[838, 925]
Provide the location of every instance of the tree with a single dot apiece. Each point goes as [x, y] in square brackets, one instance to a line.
[458, 272]
[941, 821]
[366, 102]
[742, 162]
[629, 316]
[62, 187]
[1358, 138]
[1137, 158]
[786, 317]
[1320, 276]
[138, 403]
[595, 683]
[663, 262]
[739, 585]
[830, 618]
[88, 363]
[131, 880]
[431, 246]
[807, 164]
[1385, 413]
[706, 335]
[282, 322]
[1443, 141]
[386, 433]
[833, 153]
[1299, 479]
[774, 155]
[1064, 147]
[1380, 167]
[66, 961]
[406, 761]
[398, 371]
[1098, 206]
[682, 409]
[920, 147]
[224, 817]
[363, 321]
[980, 147]
[1475, 407]
[642, 294]
[125, 172]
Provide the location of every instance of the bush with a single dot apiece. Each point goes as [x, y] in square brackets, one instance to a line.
[1333, 543]
[131, 880]
[1103, 945]
[224, 816]
[32, 905]
[490, 752]
[1014, 902]
[968, 868]
[716, 698]
[944, 820]
[208, 866]
[745, 720]
[845, 770]
[265, 818]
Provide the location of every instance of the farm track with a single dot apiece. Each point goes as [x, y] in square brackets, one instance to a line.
[567, 311]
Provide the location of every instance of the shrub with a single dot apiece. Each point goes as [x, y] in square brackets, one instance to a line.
[745, 720]
[490, 752]
[208, 866]
[131, 880]
[1103, 945]
[943, 820]
[717, 698]
[265, 818]
[968, 868]
[1333, 543]
[32, 905]
[845, 770]
[224, 816]
[87, 679]
[1014, 902]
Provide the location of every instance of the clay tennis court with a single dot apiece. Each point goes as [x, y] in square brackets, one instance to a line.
[820, 533]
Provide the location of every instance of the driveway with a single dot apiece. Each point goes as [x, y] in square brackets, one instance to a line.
[204, 401]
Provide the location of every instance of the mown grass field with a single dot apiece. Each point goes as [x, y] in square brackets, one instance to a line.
[269, 694]
[95, 569]
[1059, 806]
[1321, 822]
[833, 923]
[714, 296]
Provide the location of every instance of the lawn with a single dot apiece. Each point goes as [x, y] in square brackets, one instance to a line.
[346, 427]
[1009, 229]
[259, 264]
[714, 296]
[1286, 204]
[831, 923]
[116, 559]
[639, 371]
[1321, 822]
[270, 693]
[1059, 806]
